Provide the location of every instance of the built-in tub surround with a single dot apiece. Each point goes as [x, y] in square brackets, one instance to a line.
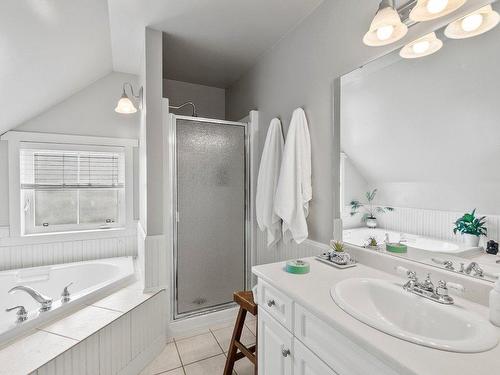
[325, 337]
[420, 245]
[84, 281]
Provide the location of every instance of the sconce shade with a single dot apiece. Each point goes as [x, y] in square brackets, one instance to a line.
[386, 28]
[424, 46]
[476, 23]
[426, 10]
[125, 105]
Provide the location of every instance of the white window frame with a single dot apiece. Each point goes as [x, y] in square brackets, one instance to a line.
[15, 139]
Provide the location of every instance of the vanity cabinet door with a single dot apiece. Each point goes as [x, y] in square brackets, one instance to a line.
[274, 346]
[306, 362]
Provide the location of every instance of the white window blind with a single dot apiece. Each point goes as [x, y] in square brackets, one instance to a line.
[62, 169]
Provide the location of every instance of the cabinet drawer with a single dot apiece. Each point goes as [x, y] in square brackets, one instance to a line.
[274, 346]
[306, 362]
[278, 305]
[340, 353]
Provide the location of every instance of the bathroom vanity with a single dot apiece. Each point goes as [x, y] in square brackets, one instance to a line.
[301, 330]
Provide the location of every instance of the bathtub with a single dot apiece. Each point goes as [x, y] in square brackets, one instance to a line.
[91, 280]
[417, 245]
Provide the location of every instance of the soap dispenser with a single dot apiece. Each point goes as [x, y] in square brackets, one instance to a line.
[495, 304]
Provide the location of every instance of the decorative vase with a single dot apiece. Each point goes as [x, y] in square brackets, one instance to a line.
[470, 240]
[371, 222]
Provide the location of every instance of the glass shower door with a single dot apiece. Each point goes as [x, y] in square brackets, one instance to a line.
[211, 212]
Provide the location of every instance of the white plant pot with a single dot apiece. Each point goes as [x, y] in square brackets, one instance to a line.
[371, 223]
[470, 240]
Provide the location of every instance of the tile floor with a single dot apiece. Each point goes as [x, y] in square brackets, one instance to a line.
[203, 354]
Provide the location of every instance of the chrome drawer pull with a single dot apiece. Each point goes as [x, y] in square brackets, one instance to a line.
[271, 303]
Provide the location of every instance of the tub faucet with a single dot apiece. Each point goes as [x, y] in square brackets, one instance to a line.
[474, 267]
[45, 301]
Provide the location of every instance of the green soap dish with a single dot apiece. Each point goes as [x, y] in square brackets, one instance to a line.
[298, 267]
[396, 248]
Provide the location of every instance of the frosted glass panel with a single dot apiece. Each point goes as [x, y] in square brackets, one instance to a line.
[211, 206]
[56, 207]
[99, 206]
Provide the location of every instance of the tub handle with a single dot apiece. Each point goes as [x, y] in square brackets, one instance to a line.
[66, 296]
[22, 314]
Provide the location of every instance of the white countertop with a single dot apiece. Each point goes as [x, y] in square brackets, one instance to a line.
[312, 290]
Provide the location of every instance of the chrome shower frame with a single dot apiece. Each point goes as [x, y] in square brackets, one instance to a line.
[171, 220]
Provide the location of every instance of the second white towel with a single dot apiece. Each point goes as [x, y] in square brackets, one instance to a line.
[294, 189]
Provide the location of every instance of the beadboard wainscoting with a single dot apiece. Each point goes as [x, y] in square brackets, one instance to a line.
[21, 255]
[124, 347]
[422, 222]
[153, 260]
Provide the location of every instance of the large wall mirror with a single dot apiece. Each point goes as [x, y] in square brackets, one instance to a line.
[420, 142]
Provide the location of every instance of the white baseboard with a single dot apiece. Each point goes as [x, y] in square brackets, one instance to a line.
[200, 324]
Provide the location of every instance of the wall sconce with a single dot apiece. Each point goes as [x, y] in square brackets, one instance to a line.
[125, 105]
[476, 23]
[386, 27]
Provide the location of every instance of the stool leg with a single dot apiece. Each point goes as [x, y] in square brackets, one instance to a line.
[231, 354]
[256, 345]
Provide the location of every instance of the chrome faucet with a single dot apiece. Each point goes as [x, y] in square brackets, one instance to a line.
[474, 267]
[45, 301]
[427, 289]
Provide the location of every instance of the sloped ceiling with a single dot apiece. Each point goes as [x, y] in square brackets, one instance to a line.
[49, 50]
[210, 42]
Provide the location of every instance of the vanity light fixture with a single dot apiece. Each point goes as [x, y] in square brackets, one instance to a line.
[426, 10]
[424, 46]
[476, 23]
[125, 105]
[386, 27]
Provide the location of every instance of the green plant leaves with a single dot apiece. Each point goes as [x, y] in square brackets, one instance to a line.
[470, 224]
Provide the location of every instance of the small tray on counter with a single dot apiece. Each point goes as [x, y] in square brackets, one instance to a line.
[351, 263]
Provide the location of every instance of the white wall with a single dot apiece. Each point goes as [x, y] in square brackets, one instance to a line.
[210, 101]
[4, 185]
[152, 134]
[90, 112]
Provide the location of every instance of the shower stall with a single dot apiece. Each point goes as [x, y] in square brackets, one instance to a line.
[209, 173]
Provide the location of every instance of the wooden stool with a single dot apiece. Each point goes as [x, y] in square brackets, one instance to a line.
[247, 304]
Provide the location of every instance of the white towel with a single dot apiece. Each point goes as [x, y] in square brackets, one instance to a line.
[294, 186]
[267, 181]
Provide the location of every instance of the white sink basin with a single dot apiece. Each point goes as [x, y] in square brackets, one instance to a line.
[392, 310]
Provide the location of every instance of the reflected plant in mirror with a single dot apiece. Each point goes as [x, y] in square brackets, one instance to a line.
[369, 217]
[471, 228]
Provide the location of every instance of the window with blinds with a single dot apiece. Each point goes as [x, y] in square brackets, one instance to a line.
[66, 190]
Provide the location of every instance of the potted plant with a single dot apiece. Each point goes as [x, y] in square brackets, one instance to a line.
[370, 209]
[471, 228]
[372, 243]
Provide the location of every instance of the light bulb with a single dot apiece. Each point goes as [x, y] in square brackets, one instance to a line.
[421, 47]
[436, 6]
[385, 32]
[472, 22]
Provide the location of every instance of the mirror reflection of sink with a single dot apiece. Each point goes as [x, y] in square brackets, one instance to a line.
[388, 308]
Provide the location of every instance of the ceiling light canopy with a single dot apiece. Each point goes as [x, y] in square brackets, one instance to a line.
[426, 10]
[476, 23]
[125, 104]
[386, 27]
[424, 46]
